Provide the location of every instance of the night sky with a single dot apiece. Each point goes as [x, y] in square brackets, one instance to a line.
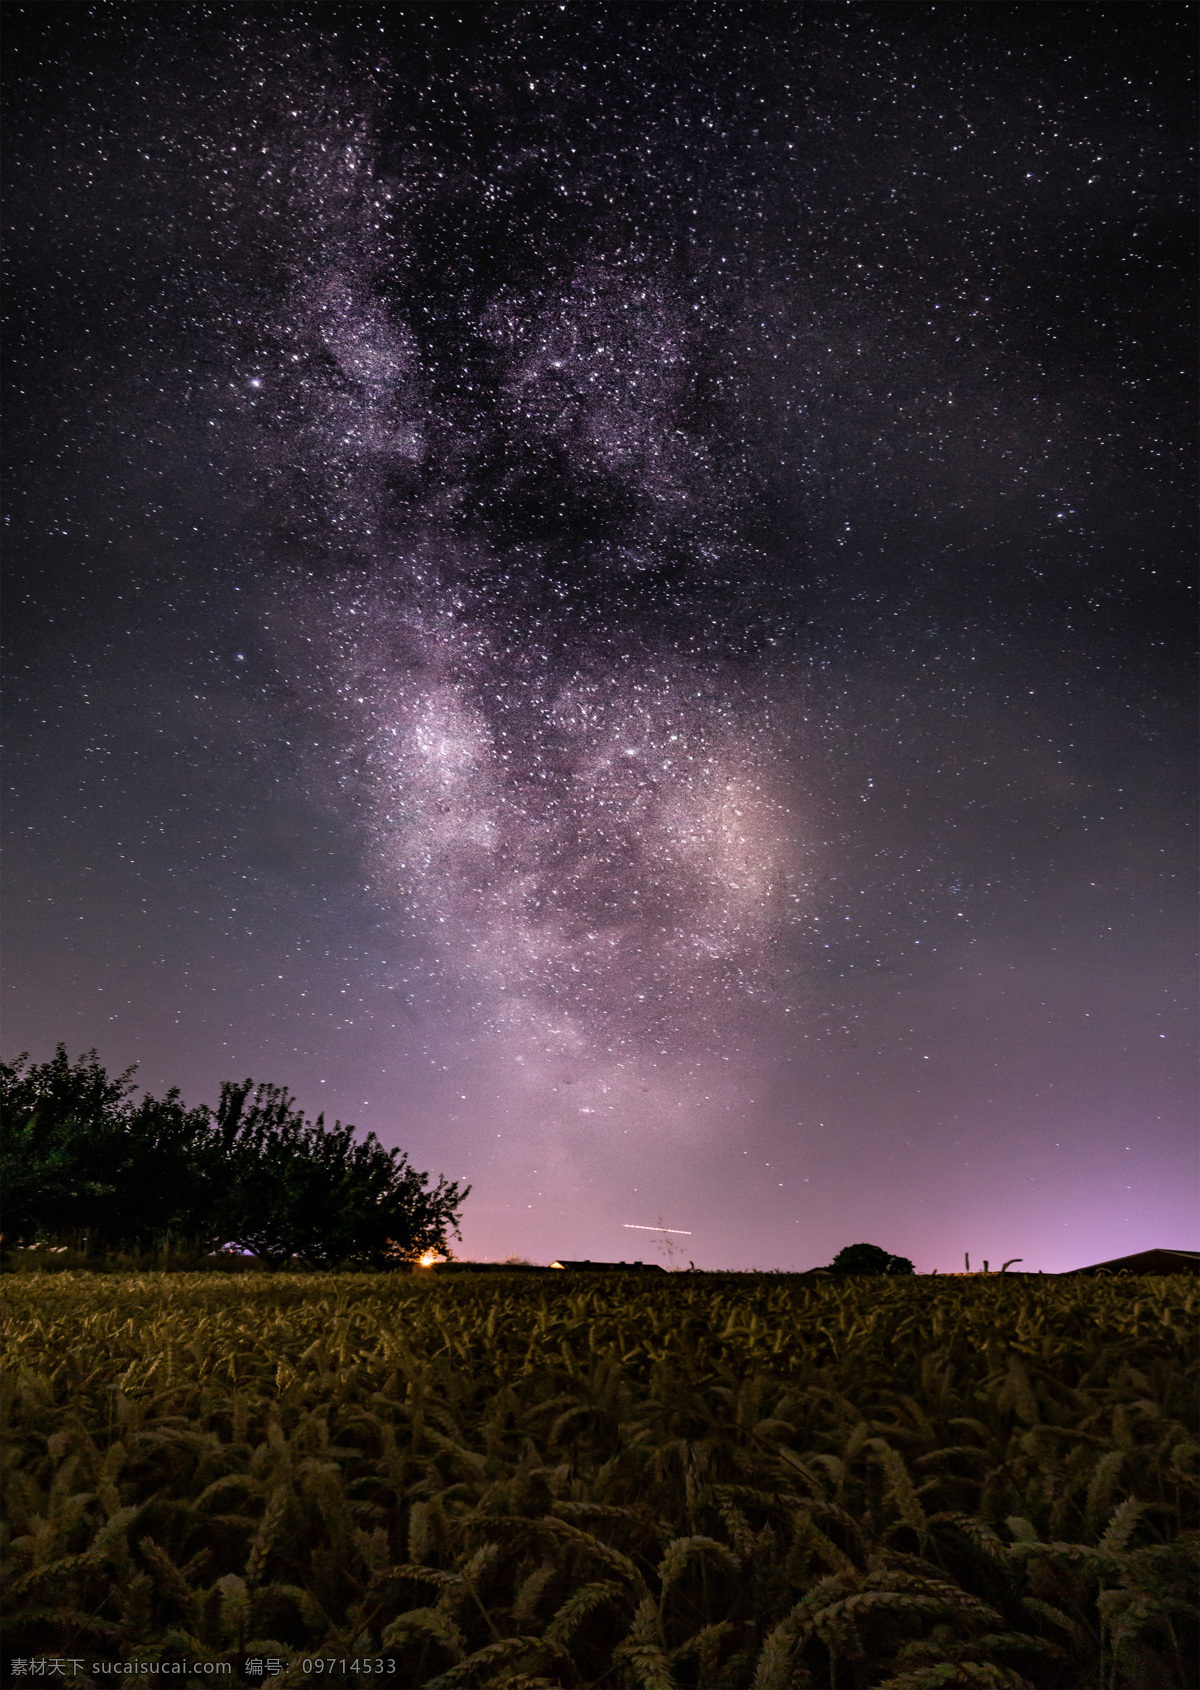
[605, 591]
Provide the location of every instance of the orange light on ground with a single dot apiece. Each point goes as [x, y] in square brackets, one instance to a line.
[428, 1259]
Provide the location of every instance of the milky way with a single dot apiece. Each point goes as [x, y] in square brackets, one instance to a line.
[567, 785]
[605, 592]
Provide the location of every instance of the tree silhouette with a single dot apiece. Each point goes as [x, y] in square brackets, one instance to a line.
[869, 1258]
[84, 1164]
[285, 1187]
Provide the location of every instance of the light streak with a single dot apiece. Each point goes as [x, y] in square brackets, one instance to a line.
[632, 1226]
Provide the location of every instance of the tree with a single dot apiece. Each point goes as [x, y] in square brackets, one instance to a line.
[294, 1188]
[869, 1258]
[42, 1127]
[84, 1163]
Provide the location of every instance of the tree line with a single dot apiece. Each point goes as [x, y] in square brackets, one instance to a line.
[88, 1166]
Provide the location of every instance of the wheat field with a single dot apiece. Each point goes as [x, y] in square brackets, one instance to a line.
[720, 1482]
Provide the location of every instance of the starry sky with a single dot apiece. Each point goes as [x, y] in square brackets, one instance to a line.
[605, 591]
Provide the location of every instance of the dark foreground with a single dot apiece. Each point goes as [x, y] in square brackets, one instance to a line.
[527, 1481]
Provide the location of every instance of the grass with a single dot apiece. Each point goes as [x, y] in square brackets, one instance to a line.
[727, 1483]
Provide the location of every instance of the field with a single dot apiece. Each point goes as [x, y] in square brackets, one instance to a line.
[730, 1482]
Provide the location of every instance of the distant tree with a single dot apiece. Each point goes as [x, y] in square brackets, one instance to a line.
[869, 1258]
[83, 1163]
